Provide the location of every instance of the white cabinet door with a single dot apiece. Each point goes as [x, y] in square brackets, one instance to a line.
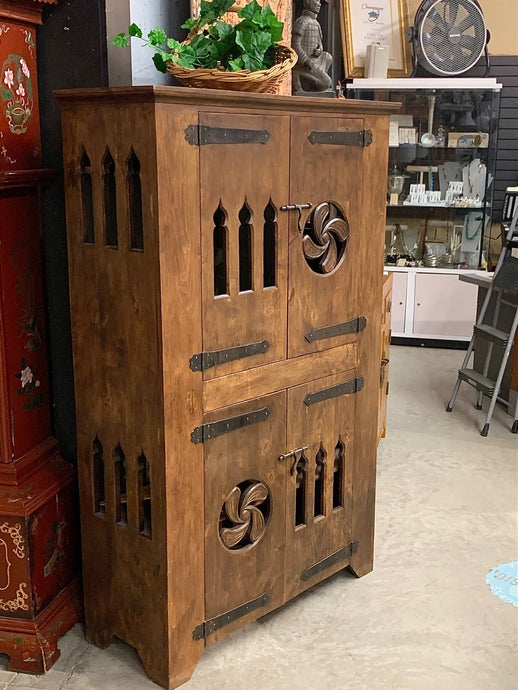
[399, 297]
[444, 306]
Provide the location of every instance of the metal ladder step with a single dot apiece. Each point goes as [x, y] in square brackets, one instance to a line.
[493, 334]
[480, 382]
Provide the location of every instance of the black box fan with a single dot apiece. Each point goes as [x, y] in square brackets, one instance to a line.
[448, 37]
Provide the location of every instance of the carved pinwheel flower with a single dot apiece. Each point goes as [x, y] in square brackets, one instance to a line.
[247, 512]
[325, 238]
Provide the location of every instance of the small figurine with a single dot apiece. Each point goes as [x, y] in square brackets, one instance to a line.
[310, 72]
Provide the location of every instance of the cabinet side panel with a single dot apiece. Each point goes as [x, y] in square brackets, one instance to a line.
[114, 293]
[369, 303]
[180, 286]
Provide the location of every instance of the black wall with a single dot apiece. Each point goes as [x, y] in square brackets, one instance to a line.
[505, 69]
[71, 54]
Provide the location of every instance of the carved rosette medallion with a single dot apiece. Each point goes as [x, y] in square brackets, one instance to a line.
[325, 237]
[244, 515]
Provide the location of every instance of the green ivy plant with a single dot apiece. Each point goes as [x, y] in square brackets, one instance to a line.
[213, 43]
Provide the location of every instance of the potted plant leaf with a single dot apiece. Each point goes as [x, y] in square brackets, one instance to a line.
[218, 55]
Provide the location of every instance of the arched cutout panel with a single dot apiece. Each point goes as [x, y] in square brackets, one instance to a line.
[111, 238]
[245, 249]
[144, 496]
[121, 499]
[320, 482]
[134, 186]
[98, 489]
[220, 252]
[300, 491]
[87, 201]
[270, 246]
[339, 475]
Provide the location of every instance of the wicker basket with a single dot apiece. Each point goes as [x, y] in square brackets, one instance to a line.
[261, 81]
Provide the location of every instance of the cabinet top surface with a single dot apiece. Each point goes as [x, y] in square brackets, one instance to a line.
[216, 98]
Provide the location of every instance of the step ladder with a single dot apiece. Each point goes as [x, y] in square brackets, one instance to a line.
[504, 282]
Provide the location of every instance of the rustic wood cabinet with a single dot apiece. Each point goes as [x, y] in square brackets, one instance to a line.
[39, 547]
[226, 256]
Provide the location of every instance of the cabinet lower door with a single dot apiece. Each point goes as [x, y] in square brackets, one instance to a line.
[319, 480]
[244, 513]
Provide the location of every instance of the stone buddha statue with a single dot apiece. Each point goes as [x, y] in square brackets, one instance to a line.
[310, 72]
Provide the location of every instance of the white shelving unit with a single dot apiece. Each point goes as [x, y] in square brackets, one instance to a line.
[430, 303]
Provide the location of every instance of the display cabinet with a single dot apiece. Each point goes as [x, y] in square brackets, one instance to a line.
[226, 263]
[442, 152]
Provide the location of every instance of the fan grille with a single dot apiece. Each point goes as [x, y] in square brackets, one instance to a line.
[452, 36]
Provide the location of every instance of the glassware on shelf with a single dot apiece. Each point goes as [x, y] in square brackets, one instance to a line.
[428, 139]
[395, 182]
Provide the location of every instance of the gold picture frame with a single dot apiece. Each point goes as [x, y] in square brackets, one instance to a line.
[385, 22]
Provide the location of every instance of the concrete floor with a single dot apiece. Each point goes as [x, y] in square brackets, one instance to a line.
[424, 619]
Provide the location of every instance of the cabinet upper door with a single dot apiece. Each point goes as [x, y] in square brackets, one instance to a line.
[324, 265]
[244, 171]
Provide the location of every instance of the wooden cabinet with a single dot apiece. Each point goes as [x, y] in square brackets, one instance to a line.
[226, 255]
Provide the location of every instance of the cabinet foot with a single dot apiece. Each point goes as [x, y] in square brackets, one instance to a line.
[99, 638]
[361, 569]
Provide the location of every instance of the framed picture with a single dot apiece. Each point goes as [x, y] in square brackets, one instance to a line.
[366, 22]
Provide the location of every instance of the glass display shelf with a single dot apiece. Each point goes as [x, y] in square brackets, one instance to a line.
[442, 156]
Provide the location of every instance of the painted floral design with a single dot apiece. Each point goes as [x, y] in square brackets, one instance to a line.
[29, 384]
[16, 92]
[25, 69]
[9, 78]
[29, 41]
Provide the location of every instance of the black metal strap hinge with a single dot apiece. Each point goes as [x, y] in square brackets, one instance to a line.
[207, 431]
[353, 326]
[200, 135]
[203, 630]
[207, 360]
[331, 560]
[352, 386]
[362, 137]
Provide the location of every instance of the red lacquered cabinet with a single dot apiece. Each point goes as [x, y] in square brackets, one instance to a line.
[39, 590]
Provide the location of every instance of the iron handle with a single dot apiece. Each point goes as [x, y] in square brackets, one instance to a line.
[299, 208]
[296, 455]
